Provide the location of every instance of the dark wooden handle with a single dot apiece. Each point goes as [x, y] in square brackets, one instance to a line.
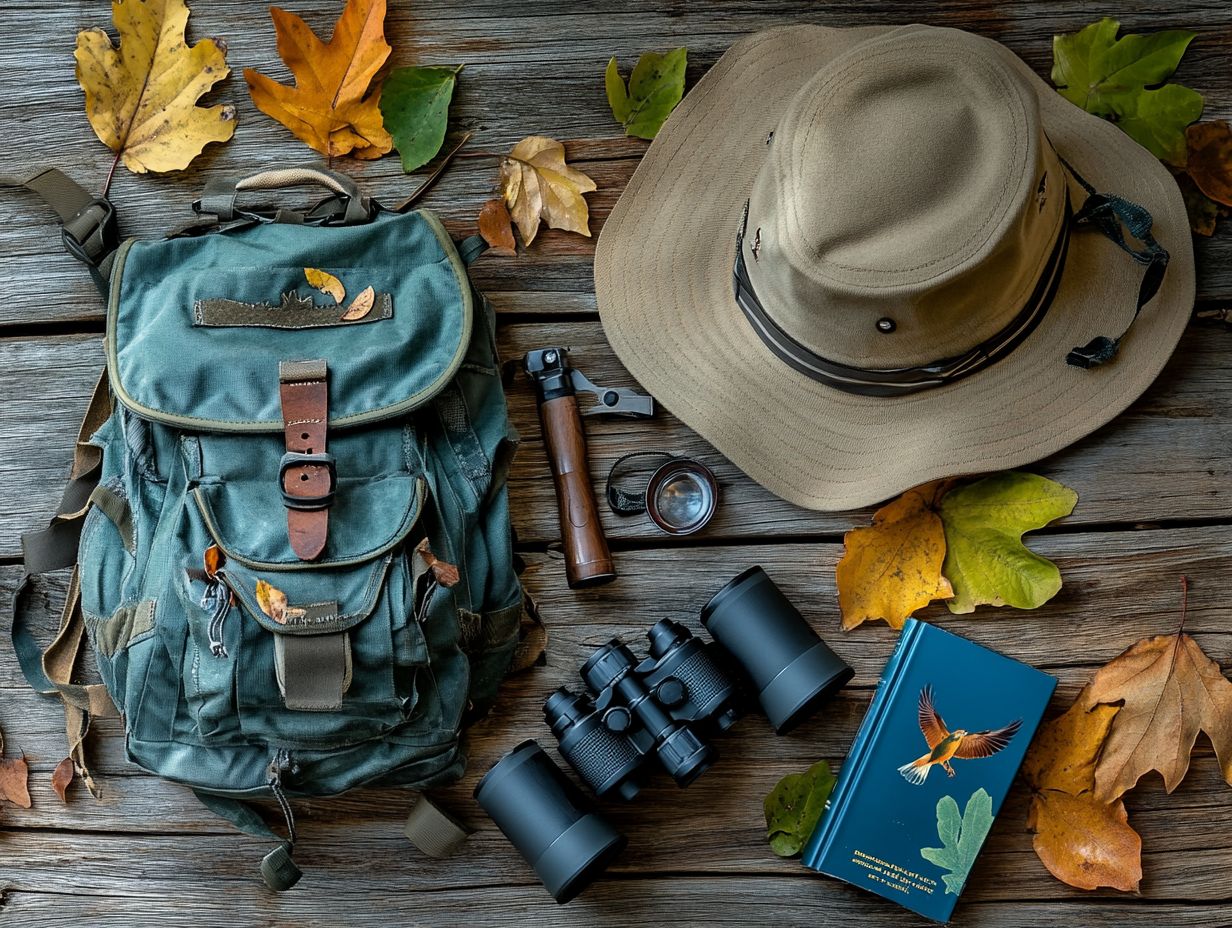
[588, 562]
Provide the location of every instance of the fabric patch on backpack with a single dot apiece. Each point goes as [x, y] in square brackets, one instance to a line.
[294, 312]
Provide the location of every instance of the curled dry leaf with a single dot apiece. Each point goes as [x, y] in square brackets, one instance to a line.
[326, 283]
[446, 574]
[14, 781]
[361, 305]
[273, 602]
[62, 776]
[539, 186]
[141, 98]
[497, 228]
[1082, 840]
[331, 107]
[893, 567]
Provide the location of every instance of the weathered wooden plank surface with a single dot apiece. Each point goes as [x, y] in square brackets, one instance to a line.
[536, 68]
[1119, 587]
[1119, 472]
[147, 854]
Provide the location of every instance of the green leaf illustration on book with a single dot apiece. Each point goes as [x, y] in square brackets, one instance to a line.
[794, 807]
[962, 835]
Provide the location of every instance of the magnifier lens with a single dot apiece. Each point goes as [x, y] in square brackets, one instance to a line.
[681, 497]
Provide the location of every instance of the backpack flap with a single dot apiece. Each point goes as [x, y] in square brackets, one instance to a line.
[197, 327]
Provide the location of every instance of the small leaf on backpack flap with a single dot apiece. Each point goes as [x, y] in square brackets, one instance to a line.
[326, 283]
[361, 305]
[497, 228]
[14, 776]
[446, 574]
[273, 602]
[214, 559]
[62, 776]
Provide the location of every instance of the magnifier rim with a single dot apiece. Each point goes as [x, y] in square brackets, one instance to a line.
[669, 469]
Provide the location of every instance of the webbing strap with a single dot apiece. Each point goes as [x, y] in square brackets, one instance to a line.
[50, 671]
[91, 233]
[277, 868]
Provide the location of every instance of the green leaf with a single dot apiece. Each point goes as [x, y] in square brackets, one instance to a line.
[985, 559]
[1156, 119]
[962, 837]
[655, 87]
[794, 807]
[1109, 77]
[415, 107]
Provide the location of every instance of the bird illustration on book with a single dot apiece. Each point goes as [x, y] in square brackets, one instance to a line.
[945, 745]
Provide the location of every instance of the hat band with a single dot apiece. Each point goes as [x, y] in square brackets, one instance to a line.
[900, 381]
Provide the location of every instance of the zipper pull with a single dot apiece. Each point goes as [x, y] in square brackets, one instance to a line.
[216, 600]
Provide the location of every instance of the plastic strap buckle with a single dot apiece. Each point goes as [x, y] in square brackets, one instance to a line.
[293, 459]
[93, 232]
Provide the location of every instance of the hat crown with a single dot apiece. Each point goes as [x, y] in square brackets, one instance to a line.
[907, 204]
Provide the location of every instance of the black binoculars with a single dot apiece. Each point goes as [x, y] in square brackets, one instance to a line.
[665, 708]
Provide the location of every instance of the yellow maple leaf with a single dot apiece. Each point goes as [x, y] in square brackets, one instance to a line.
[327, 108]
[893, 567]
[538, 185]
[141, 98]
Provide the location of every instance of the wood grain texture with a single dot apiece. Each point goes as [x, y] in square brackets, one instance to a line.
[1154, 503]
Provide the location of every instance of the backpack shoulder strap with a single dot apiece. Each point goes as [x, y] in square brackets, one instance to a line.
[90, 230]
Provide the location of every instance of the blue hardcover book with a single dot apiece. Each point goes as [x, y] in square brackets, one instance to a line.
[948, 726]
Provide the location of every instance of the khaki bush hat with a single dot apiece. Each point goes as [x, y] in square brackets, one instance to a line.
[856, 260]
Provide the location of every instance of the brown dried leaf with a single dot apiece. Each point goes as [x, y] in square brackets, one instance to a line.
[14, 780]
[326, 283]
[446, 574]
[538, 185]
[214, 559]
[62, 776]
[497, 228]
[361, 305]
[273, 602]
[1203, 211]
[1210, 159]
[1169, 690]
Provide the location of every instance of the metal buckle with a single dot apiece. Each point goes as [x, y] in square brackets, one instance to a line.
[106, 223]
[307, 503]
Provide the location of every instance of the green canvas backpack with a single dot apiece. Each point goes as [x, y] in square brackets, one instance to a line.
[288, 510]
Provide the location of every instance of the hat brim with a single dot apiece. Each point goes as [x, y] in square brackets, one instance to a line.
[663, 269]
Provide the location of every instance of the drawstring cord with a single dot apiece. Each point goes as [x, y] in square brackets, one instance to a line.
[281, 764]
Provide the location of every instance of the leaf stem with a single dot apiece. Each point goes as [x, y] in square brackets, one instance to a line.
[1184, 602]
[110, 174]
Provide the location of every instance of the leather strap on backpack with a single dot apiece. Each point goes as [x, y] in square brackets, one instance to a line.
[306, 474]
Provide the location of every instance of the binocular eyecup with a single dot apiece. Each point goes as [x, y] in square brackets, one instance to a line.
[548, 820]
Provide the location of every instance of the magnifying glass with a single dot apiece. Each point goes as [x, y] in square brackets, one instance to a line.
[680, 495]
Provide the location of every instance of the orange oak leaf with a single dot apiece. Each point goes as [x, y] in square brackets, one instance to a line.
[893, 567]
[361, 305]
[332, 107]
[14, 779]
[496, 227]
[62, 776]
[1168, 690]
[1082, 840]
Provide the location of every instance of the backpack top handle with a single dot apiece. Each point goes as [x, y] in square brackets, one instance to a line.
[220, 195]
